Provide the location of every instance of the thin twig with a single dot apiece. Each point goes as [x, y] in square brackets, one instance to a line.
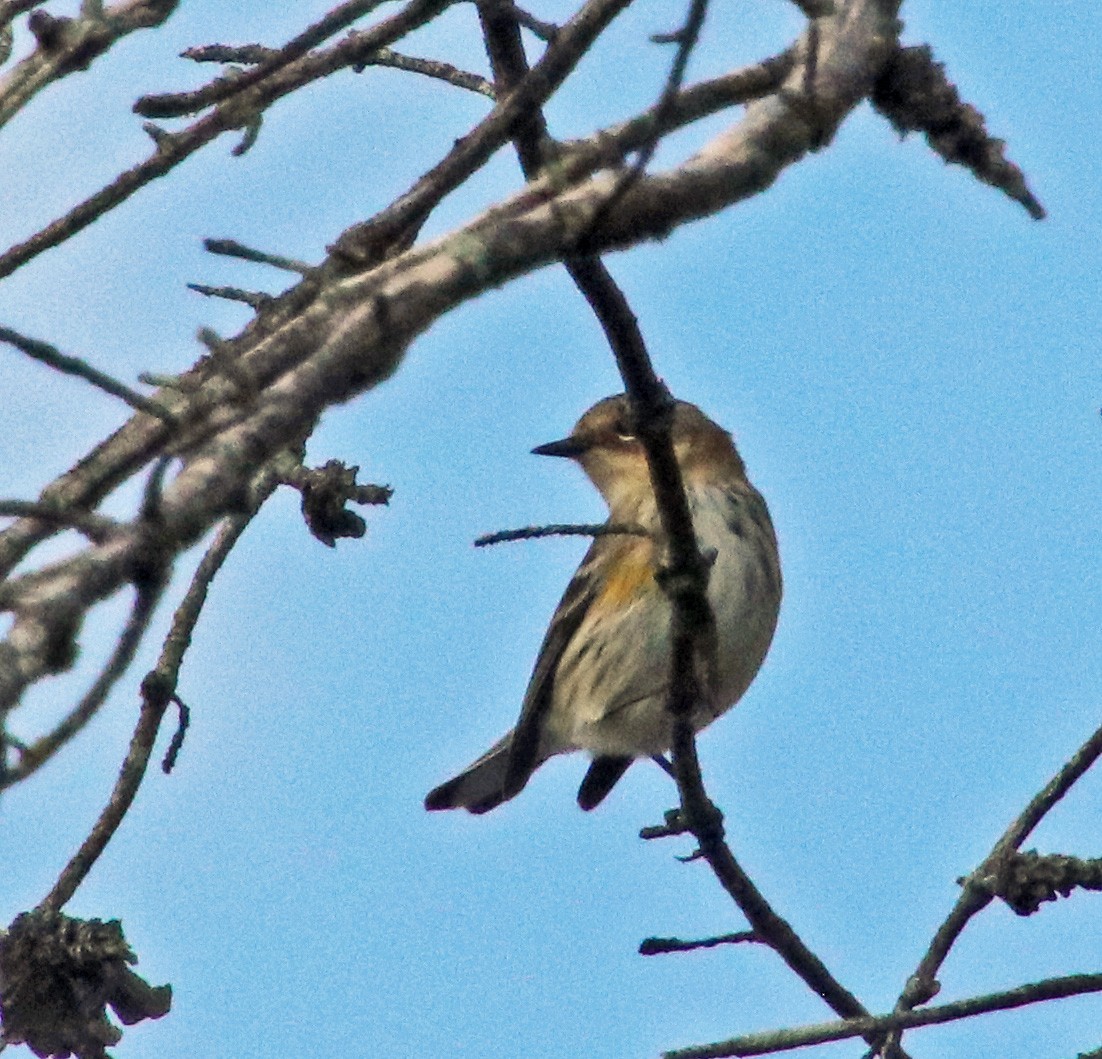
[36, 754]
[183, 712]
[440, 71]
[662, 946]
[361, 243]
[149, 583]
[69, 45]
[1047, 798]
[122, 796]
[975, 895]
[235, 112]
[686, 39]
[775, 1041]
[252, 298]
[560, 529]
[97, 528]
[54, 358]
[158, 692]
[232, 248]
[248, 54]
[186, 616]
[177, 104]
[249, 137]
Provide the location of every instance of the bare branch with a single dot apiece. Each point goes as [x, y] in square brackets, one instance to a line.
[776, 1041]
[234, 113]
[915, 95]
[662, 946]
[977, 893]
[441, 71]
[54, 358]
[166, 673]
[95, 527]
[255, 299]
[232, 248]
[158, 692]
[685, 572]
[575, 158]
[686, 39]
[248, 54]
[178, 104]
[34, 755]
[252, 131]
[366, 243]
[558, 530]
[1046, 799]
[177, 742]
[69, 45]
[126, 787]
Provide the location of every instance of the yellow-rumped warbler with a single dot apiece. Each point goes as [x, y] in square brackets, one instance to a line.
[601, 680]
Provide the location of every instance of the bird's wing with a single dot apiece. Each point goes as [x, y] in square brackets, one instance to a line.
[575, 603]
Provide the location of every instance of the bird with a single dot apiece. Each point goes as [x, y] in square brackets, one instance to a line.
[602, 676]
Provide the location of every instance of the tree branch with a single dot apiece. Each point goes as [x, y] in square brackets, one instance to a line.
[69, 45]
[603, 529]
[271, 61]
[338, 334]
[236, 111]
[158, 692]
[50, 355]
[977, 892]
[776, 1041]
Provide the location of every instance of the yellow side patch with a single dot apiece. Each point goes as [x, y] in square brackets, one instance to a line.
[632, 574]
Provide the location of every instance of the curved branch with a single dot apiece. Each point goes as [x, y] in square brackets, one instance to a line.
[69, 45]
[34, 755]
[685, 572]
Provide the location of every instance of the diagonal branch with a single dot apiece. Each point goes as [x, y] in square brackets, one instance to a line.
[68, 45]
[915, 95]
[67, 365]
[238, 111]
[775, 1041]
[158, 692]
[178, 104]
[977, 894]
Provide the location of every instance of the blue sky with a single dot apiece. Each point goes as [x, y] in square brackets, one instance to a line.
[910, 366]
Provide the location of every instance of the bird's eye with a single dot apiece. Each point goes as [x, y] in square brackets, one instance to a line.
[623, 432]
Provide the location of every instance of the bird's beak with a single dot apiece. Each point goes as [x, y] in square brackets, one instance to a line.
[570, 448]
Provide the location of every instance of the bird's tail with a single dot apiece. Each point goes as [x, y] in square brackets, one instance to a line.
[604, 773]
[480, 786]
